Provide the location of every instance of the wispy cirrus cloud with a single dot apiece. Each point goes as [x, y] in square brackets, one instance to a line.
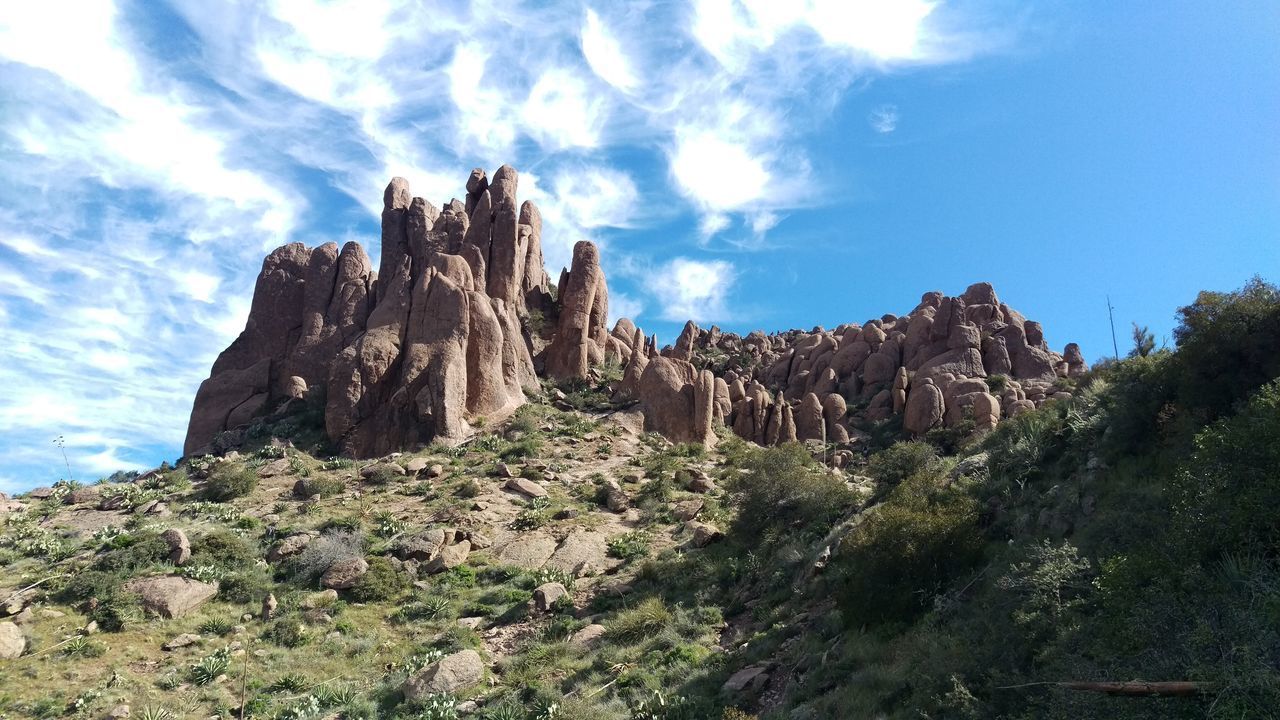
[150, 153]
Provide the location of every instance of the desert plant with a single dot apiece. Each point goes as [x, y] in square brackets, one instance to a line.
[632, 625]
[630, 546]
[211, 666]
[380, 583]
[228, 481]
[321, 554]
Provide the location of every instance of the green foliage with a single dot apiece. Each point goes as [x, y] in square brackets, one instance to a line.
[784, 492]
[228, 481]
[900, 461]
[632, 625]
[382, 582]
[319, 487]
[895, 564]
[630, 546]
[1144, 342]
[1228, 345]
[223, 549]
[1224, 498]
[211, 667]
[1050, 582]
[287, 632]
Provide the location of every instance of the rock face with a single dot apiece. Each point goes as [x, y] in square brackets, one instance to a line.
[437, 336]
[460, 316]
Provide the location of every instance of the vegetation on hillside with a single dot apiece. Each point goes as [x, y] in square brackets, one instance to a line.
[1128, 533]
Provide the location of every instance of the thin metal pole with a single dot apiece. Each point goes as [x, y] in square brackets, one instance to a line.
[1111, 315]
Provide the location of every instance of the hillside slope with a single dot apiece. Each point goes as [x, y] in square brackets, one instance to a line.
[564, 564]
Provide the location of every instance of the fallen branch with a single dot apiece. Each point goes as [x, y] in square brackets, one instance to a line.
[1130, 688]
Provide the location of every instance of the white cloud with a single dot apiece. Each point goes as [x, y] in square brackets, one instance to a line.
[622, 305]
[884, 119]
[605, 54]
[143, 187]
[560, 112]
[716, 173]
[696, 289]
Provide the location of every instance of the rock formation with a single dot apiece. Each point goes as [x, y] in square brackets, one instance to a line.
[460, 318]
[438, 336]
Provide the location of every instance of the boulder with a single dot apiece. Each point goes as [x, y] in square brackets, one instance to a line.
[171, 596]
[526, 487]
[179, 546]
[924, 408]
[448, 675]
[12, 642]
[546, 595]
[344, 573]
[528, 551]
[582, 553]
[450, 556]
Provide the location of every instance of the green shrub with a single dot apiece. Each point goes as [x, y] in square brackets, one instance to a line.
[380, 583]
[630, 546]
[135, 552]
[783, 491]
[319, 487]
[900, 461]
[920, 539]
[632, 625]
[247, 586]
[1228, 345]
[1225, 496]
[223, 549]
[228, 481]
[527, 447]
[287, 632]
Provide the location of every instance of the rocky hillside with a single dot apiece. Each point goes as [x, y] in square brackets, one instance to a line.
[460, 319]
[498, 509]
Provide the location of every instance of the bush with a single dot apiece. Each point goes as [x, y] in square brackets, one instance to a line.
[287, 632]
[1228, 345]
[321, 553]
[783, 491]
[1224, 498]
[920, 539]
[380, 583]
[319, 487]
[900, 461]
[223, 549]
[646, 619]
[629, 546]
[138, 552]
[246, 586]
[228, 481]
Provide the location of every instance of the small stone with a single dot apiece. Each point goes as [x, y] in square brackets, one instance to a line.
[269, 606]
[687, 509]
[181, 641]
[755, 677]
[179, 546]
[503, 470]
[587, 637]
[117, 712]
[415, 466]
[435, 471]
[703, 534]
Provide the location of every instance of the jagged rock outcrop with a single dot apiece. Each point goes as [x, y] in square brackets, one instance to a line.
[437, 337]
[460, 318]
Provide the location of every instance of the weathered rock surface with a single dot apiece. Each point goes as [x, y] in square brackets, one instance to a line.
[460, 317]
[12, 642]
[447, 675]
[171, 596]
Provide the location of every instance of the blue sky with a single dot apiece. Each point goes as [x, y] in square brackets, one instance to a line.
[750, 164]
